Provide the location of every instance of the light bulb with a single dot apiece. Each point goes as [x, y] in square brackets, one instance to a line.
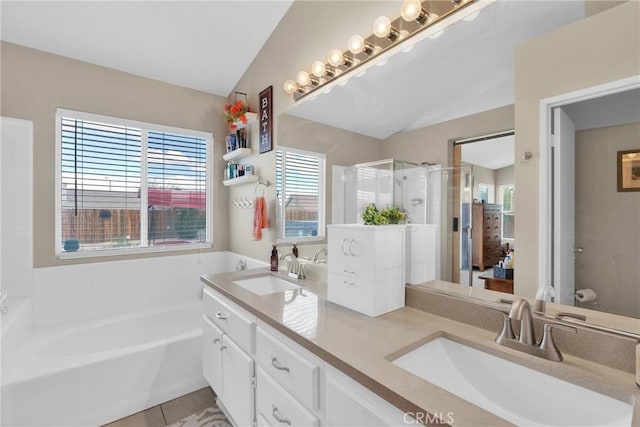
[303, 78]
[382, 26]
[290, 86]
[411, 10]
[336, 58]
[318, 68]
[356, 44]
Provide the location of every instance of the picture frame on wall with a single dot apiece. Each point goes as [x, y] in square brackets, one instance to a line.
[629, 170]
[265, 116]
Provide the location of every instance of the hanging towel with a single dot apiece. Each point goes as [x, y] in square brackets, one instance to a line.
[260, 219]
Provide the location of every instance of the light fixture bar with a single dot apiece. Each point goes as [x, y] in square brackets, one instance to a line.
[345, 60]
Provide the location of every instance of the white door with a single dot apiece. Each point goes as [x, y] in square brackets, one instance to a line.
[237, 379]
[564, 207]
[211, 355]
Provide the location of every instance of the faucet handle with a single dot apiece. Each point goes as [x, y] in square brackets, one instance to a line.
[548, 345]
[507, 330]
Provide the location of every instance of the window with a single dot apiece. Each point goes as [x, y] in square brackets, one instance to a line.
[507, 197]
[300, 192]
[125, 186]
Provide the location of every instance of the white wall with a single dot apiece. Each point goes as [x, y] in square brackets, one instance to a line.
[16, 259]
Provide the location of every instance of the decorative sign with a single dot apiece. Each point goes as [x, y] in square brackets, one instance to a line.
[266, 119]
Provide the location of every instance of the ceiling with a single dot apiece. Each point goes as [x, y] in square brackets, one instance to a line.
[203, 45]
[469, 69]
[611, 110]
[495, 153]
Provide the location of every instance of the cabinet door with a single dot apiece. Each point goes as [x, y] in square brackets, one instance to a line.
[350, 249]
[347, 406]
[237, 379]
[211, 355]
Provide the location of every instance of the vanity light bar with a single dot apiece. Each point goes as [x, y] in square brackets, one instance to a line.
[378, 47]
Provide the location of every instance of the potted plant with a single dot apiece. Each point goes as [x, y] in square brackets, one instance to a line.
[371, 215]
[235, 112]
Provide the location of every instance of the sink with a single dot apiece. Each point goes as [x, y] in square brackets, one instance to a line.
[265, 285]
[518, 394]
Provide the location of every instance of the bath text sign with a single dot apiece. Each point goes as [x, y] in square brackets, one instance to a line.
[266, 119]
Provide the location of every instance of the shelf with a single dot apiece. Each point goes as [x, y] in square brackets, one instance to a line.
[237, 154]
[246, 179]
[251, 117]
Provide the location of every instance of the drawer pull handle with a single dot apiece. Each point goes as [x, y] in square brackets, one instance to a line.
[222, 347]
[222, 316]
[279, 418]
[276, 364]
[216, 340]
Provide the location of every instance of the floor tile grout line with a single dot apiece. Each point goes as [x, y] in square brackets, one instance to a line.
[163, 416]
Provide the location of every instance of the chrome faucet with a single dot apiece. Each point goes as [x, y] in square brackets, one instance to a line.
[521, 310]
[296, 269]
[526, 339]
[317, 253]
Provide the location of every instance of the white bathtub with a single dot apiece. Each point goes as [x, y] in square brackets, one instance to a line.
[93, 372]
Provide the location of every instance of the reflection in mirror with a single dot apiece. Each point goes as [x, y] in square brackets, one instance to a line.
[420, 102]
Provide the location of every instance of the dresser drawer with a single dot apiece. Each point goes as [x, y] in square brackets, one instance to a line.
[290, 369]
[278, 407]
[234, 321]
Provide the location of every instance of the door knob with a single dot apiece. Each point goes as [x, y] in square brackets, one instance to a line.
[578, 250]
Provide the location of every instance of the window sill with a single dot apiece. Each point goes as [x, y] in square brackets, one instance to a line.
[132, 251]
[301, 239]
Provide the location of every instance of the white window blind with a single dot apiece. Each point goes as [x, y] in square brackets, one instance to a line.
[129, 185]
[508, 214]
[300, 190]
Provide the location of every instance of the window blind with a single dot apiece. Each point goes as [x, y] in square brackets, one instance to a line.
[298, 185]
[128, 186]
[100, 172]
[177, 188]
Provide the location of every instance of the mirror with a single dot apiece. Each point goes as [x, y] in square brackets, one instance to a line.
[420, 101]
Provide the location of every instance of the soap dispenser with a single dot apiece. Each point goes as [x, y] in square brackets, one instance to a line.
[274, 259]
[294, 250]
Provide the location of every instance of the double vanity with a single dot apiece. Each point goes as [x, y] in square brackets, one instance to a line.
[277, 352]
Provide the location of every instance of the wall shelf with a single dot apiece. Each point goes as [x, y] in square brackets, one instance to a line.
[236, 154]
[245, 179]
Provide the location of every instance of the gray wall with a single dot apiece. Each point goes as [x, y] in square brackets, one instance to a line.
[607, 222]
[35, 83]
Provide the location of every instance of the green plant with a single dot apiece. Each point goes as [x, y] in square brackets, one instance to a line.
[388, 215]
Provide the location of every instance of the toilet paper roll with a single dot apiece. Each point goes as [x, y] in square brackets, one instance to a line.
[585, 295]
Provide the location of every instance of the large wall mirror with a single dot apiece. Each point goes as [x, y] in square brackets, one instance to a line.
[458, 89]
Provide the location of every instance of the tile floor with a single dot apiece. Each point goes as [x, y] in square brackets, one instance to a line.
[169, 412]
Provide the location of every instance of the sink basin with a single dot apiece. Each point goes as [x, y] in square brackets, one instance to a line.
[511, 391]
[265, 285]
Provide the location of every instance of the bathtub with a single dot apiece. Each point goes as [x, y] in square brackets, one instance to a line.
[93, 372]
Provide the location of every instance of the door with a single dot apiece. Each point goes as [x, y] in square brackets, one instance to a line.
[237, 379]
[563, 150]
[211, 355]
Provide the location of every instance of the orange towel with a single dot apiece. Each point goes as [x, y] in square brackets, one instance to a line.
[260, 219]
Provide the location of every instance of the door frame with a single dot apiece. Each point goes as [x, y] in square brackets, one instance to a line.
[545, 215]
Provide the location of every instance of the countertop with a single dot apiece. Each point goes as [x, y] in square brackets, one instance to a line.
[363, 347]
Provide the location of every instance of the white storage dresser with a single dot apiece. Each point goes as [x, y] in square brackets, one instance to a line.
[366, 267]
[422, 261]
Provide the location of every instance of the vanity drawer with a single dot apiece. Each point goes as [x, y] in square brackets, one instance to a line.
[290, 369]
[234, 321]
[278, 407]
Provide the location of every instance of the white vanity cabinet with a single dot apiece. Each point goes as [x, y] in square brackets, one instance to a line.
[228, 333]
[288, 381]
[421, 250]
[366, 267]
[350, 404]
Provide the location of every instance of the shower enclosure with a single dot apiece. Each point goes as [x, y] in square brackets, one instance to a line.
[424, 191]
